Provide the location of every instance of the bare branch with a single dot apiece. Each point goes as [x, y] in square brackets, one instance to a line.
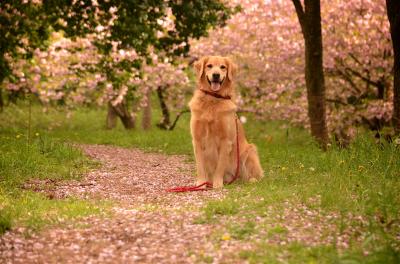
[365, 79]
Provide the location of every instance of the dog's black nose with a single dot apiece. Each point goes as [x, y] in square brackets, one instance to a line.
[215, 76]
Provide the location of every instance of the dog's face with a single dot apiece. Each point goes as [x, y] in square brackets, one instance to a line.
[215, 72]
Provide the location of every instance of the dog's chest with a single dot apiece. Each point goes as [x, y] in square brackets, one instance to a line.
[208, 127]
[210, 138]
[210, 131]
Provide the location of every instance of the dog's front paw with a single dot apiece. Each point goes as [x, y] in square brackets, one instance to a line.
[218, 184]
[253, 180]
[200, 182]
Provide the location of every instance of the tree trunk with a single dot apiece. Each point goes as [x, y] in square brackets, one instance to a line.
[146, 119]
[310, 22]
[13, 96]
[111, 121]
[127, 119]
[165, 122]
[381, 91]
[393, 12]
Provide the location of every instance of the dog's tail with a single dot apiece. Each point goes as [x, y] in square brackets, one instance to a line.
[250, 164]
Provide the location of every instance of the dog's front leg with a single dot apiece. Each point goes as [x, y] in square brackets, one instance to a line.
[199, 155]
[198, 130]
[223, 162]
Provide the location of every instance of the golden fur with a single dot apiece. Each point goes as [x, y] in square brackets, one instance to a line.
[213, 126]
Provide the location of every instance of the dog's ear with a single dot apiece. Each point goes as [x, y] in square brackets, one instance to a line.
[199, 66]
[232, 69]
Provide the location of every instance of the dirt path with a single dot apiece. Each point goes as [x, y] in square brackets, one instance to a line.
[148, 225]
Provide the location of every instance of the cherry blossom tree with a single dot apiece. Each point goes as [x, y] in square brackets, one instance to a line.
[171, 83]
[59, 73]
[358, 67]
[24, 27]
[67, 73]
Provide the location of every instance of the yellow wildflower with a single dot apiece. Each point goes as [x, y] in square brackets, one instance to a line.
[226, 237]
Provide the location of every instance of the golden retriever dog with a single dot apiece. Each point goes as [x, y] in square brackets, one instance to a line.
[213, 126]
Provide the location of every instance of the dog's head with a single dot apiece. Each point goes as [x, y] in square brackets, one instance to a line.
[215, 72]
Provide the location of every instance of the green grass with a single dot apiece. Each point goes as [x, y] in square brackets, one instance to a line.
[242, 231]
[35, 211]
[43, 158]
[362, 179]
[298, 253]
[88, 126]
[227, 207]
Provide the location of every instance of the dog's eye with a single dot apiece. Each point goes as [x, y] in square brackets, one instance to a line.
[209, 66]
[223, 67]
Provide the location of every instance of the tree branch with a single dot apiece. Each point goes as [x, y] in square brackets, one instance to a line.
[348, 70]
[348, 79]
[164, 108]
[177, 118]
[300, 14]
[355, 59]
[336, 101]
[365, 79]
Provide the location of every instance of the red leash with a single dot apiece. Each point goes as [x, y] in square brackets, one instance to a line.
[208, 185]
[193, 188]
[237, 154]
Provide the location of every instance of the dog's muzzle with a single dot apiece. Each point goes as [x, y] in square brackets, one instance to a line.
[215, 83]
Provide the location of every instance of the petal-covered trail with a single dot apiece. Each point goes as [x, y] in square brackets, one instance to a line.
[148, 225]
[134, 178]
